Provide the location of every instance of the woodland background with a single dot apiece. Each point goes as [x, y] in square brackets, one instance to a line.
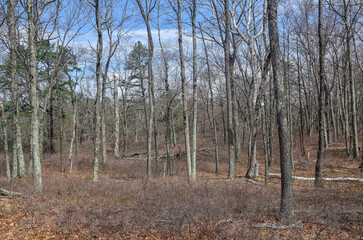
[163, 119]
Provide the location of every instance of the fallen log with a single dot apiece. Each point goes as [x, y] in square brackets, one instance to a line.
[337, 179]
[139, 155]
[5, 192]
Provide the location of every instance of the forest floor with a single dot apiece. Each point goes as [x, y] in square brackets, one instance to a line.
[124, 205]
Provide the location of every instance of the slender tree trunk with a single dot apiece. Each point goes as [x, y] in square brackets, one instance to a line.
[287, 202]
[223, 122]
[345, 111]
[6, 147]
[74, 128]
[124, 119]
[103, 123]
[33, 19]
[195, 95]
[168, 134]
[326, 116]
[97, 117]
[51, 127]
[301, 112]
[333, 119]
[265, 143]
[18, 156]
[145, 14]
[227, 73]
[14, 89]
[361, 163]
[156, 145]
[116, 151]
[236, 122]
[353, 97]
[271, 160]
[60, 131]
[184, 95]
[319, 162]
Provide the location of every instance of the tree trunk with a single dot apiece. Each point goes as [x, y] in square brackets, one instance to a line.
[103, 121]
[361, 163]
[271, 160]
[227, 73]
[33, 18]
[301, 112]
[74, 128]
[287, 202]
[51, 127]
[6, 147]
[352, 82]
[60, 130]
[319, 162]
[184, 95]
[150, 44]
[97, 117]
[18, 156]
[253, 118]
[116, 151]
[168, 134]
[156, 145]
[265, 143]
[195, 95]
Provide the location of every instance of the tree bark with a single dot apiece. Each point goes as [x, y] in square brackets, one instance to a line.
[227, 73]
[97, 117]
[6, 147]
[301, 112]
[18, 157]
[184, 94]
[287, 202]
[33, 20]
[195, 95]
[319, 162]
[116, 151]
[145, 14]
[353, 105]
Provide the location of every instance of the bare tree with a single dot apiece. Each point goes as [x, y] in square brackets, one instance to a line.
[287, 202]
[168, 97]
[101, 18]
[195, 93]
[227, 72]
[113, 27]
[145, 11]
[249, 36]
[34, 11]
[178, 11]
[18, 157]
[319, 161]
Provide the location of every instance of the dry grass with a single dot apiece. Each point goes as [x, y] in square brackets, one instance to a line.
[124, 205]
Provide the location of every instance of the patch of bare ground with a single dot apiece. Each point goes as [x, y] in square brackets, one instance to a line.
[124, 205]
